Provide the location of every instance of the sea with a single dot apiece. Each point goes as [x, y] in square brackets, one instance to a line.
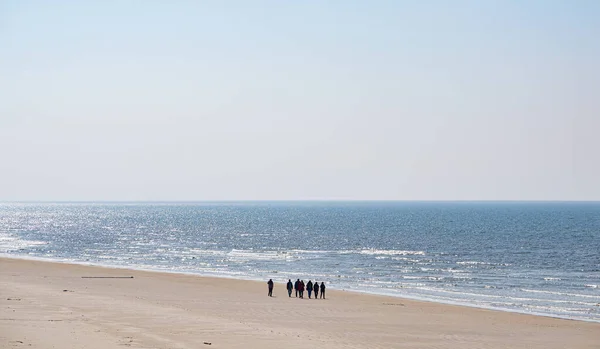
[530, 257]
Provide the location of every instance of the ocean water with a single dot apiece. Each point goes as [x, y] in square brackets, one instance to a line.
[540, 258]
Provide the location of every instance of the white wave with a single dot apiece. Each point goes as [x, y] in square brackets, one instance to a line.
[406, 259]
[562, 293]
[310, 251]
[455, 271]
[555, 309]
[460, 277]
[373, 251]
[552, 279]
[203, 252]
[592, 286]
[435, 278]
[414, 277]
[245, 255]
[472, 263]
[525, 300]
[143, 243]
[413, 285]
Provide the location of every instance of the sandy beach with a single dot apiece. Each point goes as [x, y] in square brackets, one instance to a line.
[55, 305]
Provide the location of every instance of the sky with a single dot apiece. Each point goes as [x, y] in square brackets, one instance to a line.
[299, 100]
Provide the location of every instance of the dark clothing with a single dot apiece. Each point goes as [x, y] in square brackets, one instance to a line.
[316, 289]
[270, 283]
[322, 290]
[309, 288]
[296, 285]
[301, 289]
[290, 287]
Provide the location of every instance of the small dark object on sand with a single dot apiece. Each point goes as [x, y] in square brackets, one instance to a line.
[107, 277]
[208, 343]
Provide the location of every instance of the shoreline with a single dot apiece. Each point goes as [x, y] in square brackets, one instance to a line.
[53, 304]
[358, 292]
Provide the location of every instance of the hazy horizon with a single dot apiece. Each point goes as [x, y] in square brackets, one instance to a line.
[285, 101]
[299, 201]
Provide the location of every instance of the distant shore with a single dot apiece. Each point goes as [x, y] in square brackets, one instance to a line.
[46, 304]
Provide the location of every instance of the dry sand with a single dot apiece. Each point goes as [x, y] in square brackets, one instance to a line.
[51, 305]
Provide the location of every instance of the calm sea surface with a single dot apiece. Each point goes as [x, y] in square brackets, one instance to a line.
[541, 258]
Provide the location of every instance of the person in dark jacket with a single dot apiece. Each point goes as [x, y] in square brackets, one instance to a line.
[290, 287]
[296, 286]
[309, 288]
[322, 289]
[301, 288]
[270, 283]
[316, 289]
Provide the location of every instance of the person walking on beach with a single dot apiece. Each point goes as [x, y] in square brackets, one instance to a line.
[270, 283]
[296, 286]
[301, 288]
[309, 288]
[290, 287]
[316, 289]
[322, 289]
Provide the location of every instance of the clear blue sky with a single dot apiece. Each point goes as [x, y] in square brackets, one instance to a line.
[222, 100]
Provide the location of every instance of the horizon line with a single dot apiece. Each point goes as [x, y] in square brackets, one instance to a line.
[298, 201]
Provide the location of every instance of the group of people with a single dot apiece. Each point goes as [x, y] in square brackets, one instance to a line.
[299, 286]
